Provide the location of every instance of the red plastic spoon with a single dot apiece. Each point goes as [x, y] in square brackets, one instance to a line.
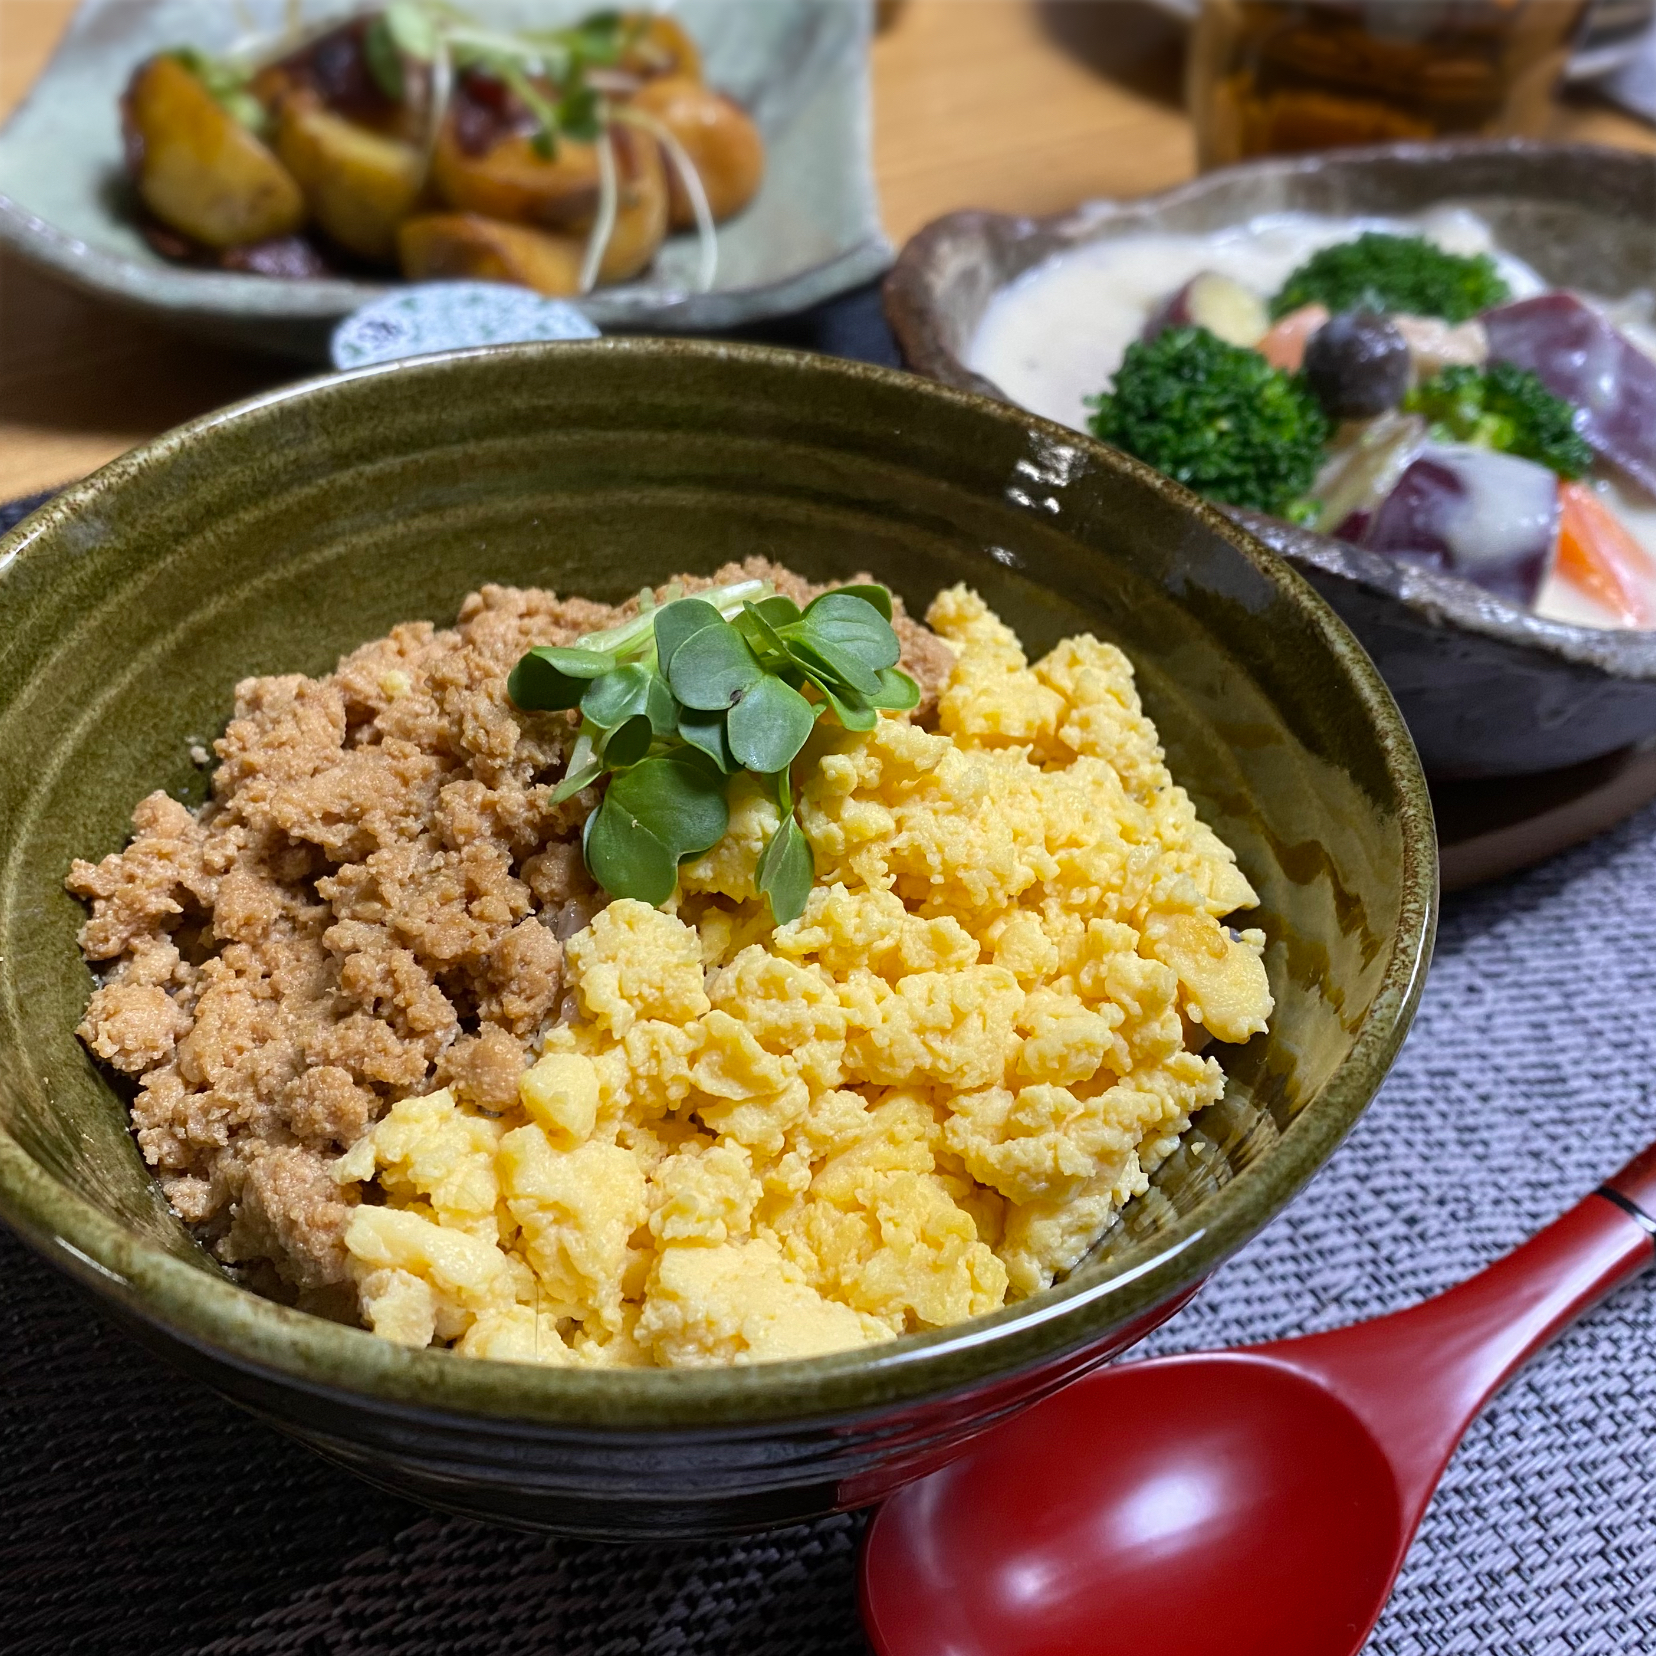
[1256, 1502]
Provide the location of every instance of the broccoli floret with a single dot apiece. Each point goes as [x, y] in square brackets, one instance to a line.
[1394, 274]
[1217, 418]
[1505, 408]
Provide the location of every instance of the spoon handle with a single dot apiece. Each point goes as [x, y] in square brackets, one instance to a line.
[1419, 1377]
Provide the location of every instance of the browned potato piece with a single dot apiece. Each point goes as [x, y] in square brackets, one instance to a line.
[358, 185]
[641, 218]
[198, 168]
[661, 47]
[436, 245]
[722, 142]
[510, 181]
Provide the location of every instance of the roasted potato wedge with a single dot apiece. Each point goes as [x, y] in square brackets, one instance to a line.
[721, 140]
[198, 168]
[510, 181]
[358, 185]
[433, 245]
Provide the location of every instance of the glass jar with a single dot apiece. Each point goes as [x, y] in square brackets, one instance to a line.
[1270, 77]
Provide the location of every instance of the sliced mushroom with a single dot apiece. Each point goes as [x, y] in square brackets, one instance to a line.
[1435, 344]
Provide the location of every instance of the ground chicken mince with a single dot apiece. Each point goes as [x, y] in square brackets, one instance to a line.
[400, 1061]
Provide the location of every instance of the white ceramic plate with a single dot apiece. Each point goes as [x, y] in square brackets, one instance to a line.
[799, 66]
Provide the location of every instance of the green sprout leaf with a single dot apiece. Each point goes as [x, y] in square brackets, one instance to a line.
[676, 622]
[850, 709]
[875, 595]
[678, 798]
[706, 732]
[628, 742]
[712, 667]
[618, 694]
[574, 780]
[834, 667]
[654, 814]
[661, 708]
[762, 636]
[385, 64]
[226, 84]
[550, 679]
[580, 114]
[852, 624]
[597, 39]
[898, 692]
[411, 30]
[786, 871]
[626, 859]
[777, 610]
[769, 725]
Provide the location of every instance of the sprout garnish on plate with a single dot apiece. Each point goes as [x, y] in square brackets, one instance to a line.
[557, 158]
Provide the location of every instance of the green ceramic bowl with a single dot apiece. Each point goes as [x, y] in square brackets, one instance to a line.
[278, 534]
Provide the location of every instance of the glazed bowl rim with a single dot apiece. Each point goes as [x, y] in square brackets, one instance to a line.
[256, 309]
[206, 1310]
[1621, 653]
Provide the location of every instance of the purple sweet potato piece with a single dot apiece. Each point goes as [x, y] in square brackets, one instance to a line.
[1486, 517]
[1580, 357]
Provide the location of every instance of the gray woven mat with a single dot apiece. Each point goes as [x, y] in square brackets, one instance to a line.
[1529, 1076]
[139, 1514]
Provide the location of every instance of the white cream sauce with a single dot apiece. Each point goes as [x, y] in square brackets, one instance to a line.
[1057, 335]
[1507, 511]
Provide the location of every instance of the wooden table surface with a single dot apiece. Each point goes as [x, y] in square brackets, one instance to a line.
[1030, 105]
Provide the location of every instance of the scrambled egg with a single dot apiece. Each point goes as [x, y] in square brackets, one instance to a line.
[931, 1094]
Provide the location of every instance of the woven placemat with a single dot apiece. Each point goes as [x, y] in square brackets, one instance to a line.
[141, 1514]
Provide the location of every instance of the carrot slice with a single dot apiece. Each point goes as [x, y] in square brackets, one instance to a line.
[1598, 554]
[1284, 346]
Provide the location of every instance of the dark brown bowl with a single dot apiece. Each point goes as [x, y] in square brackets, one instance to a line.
[1487, 688]
[274, 536]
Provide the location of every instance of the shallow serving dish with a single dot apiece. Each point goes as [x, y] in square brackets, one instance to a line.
[800, 67]
[1487, 689]
[278, 534]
